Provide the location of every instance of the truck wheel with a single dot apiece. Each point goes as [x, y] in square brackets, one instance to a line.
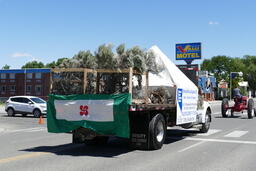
[157, 132]
[224, 106]
[250, 110]
[99, 140]
[206, 125]
[10, 112]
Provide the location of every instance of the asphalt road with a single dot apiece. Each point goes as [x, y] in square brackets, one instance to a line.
[230, 144]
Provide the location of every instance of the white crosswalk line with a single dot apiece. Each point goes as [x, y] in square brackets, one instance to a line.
[210, 132]
[236, 134]
[221, 140]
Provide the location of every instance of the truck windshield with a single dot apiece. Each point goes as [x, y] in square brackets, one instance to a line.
[37, 100]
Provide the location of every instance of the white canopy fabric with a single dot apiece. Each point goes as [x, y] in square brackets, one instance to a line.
[186, 90]
[171, 74]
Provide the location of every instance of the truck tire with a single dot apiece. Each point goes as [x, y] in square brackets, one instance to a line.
[99, 140]
[224, 106]
[157, 132]
[205, 126]
[250, 108]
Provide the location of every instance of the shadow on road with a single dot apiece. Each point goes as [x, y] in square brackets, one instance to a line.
[115, 147]
[174, 135]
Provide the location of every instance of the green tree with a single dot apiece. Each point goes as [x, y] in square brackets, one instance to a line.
[220, 66]
[55, 64]
[250, 70]
[6, 66]
[51, 65]
[33, 64]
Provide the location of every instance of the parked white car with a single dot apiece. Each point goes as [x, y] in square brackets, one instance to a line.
[25, 105]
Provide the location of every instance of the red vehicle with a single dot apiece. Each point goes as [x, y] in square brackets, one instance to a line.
[241, 104]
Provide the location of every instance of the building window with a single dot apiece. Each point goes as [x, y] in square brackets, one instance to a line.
[28, 88]
[2, 89]
[38, 75]
[29, 75]
[3, 76]
[12, 88]
[38, 89]
[12, 76]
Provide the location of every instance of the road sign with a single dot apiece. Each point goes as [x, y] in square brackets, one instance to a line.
[190, 71]
[188, 51]
[193, 67]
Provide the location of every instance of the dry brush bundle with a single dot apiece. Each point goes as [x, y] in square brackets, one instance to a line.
[103, 58]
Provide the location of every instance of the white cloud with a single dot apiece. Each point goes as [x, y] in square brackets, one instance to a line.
[26, 56]
[19, 55]
[213, 23]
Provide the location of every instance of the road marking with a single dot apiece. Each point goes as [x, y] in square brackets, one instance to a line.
[236, 134]
[192, 146]
[37, 154]
[221, 140]
[24, 156]
[27, 130]
[210, 132]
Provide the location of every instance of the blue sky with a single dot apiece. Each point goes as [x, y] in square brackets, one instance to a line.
[46, 30]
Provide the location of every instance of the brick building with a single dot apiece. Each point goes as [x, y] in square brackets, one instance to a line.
[31, 82]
